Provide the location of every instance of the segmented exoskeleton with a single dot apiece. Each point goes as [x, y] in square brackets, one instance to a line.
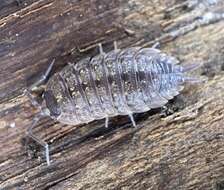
[121, 82]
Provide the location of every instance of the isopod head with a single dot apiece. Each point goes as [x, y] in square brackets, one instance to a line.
[52, 104]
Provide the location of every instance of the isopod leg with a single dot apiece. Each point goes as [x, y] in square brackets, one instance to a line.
[106, 122]
[156, 45]
[115, 45]
[101, 48]
[38, 140]
[132, 120]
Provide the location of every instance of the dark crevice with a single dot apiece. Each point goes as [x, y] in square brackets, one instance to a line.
[219, 185]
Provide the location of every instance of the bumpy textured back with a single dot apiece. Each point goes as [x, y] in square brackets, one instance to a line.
[117, 83]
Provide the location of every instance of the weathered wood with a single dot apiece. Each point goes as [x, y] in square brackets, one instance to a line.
[182, 149]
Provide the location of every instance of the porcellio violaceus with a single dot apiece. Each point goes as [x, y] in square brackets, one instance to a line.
[120, 82]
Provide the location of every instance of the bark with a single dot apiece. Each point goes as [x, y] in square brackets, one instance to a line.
[179, 148]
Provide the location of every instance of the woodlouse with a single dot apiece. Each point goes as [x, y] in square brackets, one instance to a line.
[120, 82]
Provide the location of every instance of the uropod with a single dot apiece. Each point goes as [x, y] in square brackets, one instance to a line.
[120, 82]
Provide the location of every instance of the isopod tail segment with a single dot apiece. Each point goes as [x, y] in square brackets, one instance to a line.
[192, 79]
[42, 113]
[189, 68]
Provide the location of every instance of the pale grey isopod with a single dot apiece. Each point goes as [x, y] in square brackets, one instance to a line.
[120, 82]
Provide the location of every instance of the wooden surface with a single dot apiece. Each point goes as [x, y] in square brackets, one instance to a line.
[181, 148]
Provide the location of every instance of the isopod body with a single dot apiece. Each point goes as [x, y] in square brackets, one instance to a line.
[120, 82]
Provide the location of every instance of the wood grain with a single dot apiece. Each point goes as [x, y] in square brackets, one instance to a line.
[179, 148]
